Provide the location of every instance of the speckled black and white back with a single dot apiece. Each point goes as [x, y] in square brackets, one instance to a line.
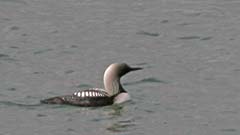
[92, 92]
[88, 98]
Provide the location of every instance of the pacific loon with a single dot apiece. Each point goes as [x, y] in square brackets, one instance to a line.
[113, 93]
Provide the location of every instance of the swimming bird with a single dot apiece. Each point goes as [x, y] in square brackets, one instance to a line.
[113, 93]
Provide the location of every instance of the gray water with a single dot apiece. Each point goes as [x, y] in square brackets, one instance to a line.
[189, 49]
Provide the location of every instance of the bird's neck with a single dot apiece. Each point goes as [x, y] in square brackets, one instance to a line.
[112, 83]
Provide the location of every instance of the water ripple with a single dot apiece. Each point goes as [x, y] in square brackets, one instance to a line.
[114, 110]
[148, 33]
[195, 37]
[28, 106]
[6, 57]
[121, 126]
[146, 80]
[141, 64]
[42, 51]
[69, 71]
[189, 37]
[229, 130]
[14, 1]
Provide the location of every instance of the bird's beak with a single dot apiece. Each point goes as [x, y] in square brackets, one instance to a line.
[135, 68]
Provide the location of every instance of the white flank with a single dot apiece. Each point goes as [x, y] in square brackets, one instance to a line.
[122, 97]
[83, 94]
[90, 94]
[79, 94]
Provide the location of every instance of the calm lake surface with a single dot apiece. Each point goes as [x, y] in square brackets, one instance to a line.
[189, 50]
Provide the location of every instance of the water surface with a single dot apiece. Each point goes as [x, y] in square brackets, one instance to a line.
[189, 51]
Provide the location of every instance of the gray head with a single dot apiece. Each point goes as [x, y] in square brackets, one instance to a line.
[112, 77]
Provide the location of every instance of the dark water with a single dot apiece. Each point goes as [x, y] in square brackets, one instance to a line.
[189, 51]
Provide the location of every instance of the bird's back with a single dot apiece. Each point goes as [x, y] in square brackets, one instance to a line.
[89, 98]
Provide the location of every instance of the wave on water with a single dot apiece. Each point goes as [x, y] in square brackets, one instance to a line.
[146, 80]
[9, 103]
